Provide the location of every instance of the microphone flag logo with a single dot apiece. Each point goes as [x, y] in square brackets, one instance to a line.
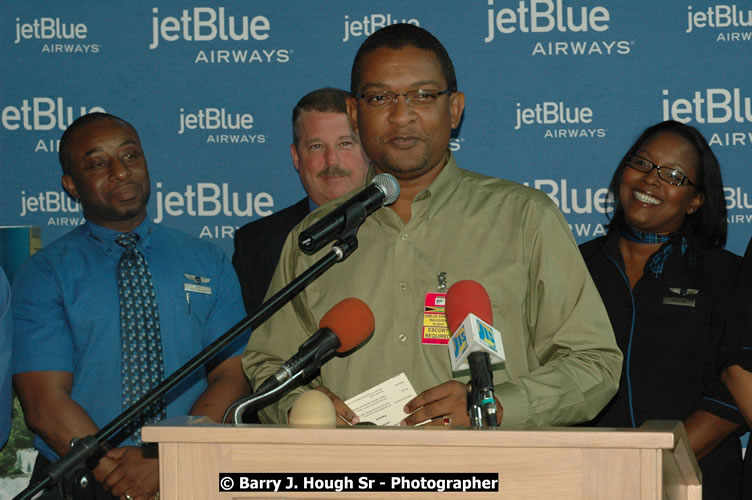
[459, 342]
[486, 335]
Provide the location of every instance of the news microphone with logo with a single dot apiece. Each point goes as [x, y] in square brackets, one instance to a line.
[475, 344]
[344, 327]
[383, 190]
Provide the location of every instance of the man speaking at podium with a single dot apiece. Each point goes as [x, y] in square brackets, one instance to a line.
[562, 363]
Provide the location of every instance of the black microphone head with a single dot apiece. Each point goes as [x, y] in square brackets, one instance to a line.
[383, 190]
[389, 186]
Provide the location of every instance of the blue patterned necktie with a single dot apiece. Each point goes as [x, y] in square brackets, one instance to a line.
[141, 342]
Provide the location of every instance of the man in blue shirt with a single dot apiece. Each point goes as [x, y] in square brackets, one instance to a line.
[6, 347]
[67, 365]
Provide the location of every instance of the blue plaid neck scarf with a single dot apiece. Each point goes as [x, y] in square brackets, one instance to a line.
[632, 234]
[658, 260]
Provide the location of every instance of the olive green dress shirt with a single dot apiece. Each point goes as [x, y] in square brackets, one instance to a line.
[562, 362]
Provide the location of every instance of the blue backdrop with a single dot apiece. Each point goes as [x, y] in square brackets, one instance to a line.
[556, 92]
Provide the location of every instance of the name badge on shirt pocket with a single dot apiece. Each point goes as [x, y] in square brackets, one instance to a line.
[197, 286]
[190, 287]
[684, 297]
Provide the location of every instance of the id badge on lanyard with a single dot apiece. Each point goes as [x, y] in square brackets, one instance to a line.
[435, 328]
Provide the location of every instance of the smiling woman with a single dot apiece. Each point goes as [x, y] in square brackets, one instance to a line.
[657, 198]
[666, 280]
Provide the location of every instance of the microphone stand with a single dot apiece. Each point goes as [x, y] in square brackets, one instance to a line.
[354, 217]
[83, 448]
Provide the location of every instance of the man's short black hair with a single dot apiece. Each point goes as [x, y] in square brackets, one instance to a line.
[65, 140]
[398, 36]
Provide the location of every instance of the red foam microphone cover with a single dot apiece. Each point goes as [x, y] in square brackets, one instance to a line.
[351, 320]
[465, 297]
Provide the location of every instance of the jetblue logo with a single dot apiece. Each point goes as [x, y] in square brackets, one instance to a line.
[48, 202]
[574, 200]
[712, 105]
[544, 16]
[213, 119]
[556, 16]
[204, 24]
[42, 114]
[356, 27]
[548, 112]
[49, 28]
[718, 16]
[209, 24]
[207, 199]
[53, 29]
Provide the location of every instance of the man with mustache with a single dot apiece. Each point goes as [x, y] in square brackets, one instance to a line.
[106, 312]
[328, 157]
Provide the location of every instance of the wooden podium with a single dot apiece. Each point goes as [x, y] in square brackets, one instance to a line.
[652, 462]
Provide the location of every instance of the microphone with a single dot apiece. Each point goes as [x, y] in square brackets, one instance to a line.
[383, 190]
[469, 316]
[343, 327]
[475, 344]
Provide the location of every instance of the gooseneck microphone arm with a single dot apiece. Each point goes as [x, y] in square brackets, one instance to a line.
[89, 446]
[259, 399]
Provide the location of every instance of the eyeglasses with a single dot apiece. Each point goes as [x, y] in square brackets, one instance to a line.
[385, 98]
[670, 175]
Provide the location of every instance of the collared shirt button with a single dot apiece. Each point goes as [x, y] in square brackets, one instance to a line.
[403, 285]
[404, 236]
[402, 337]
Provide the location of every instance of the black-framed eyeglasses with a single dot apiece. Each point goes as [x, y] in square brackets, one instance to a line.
[666, 174]
[386, 98]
